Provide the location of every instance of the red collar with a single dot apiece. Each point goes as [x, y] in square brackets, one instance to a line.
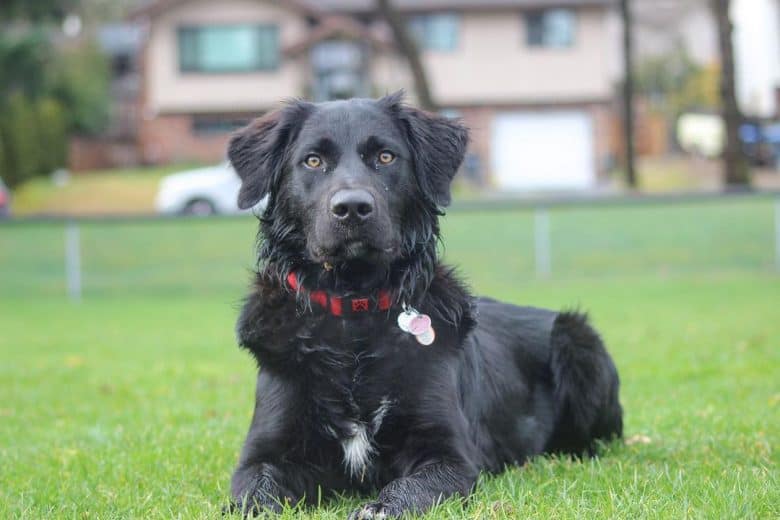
[340, 306]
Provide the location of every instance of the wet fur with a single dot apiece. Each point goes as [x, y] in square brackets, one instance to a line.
[500, 384]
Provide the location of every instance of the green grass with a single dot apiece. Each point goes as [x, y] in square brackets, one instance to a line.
[134, 403]
[132, 190]
[675, 174]
[117, 191]
[195, 257]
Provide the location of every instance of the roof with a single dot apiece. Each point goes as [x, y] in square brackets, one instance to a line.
[355, 6]
[154, 8]
[339, 26]
[315, 8]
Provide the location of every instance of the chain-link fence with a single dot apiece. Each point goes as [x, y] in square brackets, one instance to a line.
[494, 243]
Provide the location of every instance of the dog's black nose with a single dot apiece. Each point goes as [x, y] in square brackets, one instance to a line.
[352, 204]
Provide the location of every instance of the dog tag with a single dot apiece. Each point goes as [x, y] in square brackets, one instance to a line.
[419, 324]
[427, 337]
[404, 319]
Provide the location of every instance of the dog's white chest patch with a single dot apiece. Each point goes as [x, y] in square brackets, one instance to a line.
[358, 450]
[359, 445]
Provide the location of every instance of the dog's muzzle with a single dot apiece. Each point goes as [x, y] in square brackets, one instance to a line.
[353, 206]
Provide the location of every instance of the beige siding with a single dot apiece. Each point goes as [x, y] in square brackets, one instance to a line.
[170, 91]
[390, 73]
[493, 64]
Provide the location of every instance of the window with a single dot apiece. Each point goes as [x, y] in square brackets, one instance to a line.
[436, 32]
[450, 113]
[339, 70]
[228, 48]
[552, 28]
[217, 124]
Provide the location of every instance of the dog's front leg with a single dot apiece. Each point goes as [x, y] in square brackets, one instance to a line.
[269, 472]
[418, 492]
[266, 487]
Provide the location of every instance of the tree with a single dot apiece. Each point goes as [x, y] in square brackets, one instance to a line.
[673, 83]
[46, 91]
[23, 60]
[737, 174]
[36, 10]
[628, 92]
[410, 50]
[80, 83]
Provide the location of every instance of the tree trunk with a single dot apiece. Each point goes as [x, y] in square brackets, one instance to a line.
[737, 174]
[628, 93]
[411, 52]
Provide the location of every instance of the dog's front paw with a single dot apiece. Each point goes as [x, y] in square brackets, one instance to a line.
[252, 507]
[374, 511]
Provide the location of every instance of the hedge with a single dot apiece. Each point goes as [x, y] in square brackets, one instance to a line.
[34, 138]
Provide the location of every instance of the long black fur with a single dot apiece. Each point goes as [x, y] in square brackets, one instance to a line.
[500, 384]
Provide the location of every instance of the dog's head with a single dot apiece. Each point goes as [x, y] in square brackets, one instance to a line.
[349, 182]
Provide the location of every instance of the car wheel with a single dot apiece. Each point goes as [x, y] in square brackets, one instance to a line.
[199, 208]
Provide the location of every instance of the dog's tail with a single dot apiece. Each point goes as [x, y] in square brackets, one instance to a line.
[585, 387]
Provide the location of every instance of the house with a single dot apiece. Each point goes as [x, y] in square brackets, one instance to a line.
[533, 79]
[116, 145]
[667, 25]
[664, 26]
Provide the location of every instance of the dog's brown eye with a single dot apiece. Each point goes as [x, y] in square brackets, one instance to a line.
[313, 161]
[386, 157]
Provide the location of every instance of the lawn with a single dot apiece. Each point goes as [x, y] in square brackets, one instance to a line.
[131, 191]
[134, 402]
[124, 191]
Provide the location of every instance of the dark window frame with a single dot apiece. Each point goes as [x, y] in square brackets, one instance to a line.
[422, 19]
[538, 15]
[218, 124]
[184, 68]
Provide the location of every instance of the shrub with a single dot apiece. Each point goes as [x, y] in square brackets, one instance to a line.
[2, 158]
[19, 134]
[46, 94]
[80, 82]
[52, 135]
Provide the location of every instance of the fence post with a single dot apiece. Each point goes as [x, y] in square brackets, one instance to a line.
[542, 242]
[777, 233]
[73, 260]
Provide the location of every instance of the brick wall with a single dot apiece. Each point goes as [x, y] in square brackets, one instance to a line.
[651, 132]
[171, 138]
[93, 153]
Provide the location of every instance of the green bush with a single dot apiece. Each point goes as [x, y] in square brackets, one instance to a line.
[46, 95]
[52, 135]
[76, 77]
[80, 82]
[2, 158]
[20, 136]
[26, 59]
[33, 137]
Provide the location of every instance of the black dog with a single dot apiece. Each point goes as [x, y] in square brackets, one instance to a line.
[378, 369]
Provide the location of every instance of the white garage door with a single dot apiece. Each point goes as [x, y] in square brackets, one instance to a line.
[543, 150]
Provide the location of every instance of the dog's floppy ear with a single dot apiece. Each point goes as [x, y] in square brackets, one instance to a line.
[258, 151]
[437, 144]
